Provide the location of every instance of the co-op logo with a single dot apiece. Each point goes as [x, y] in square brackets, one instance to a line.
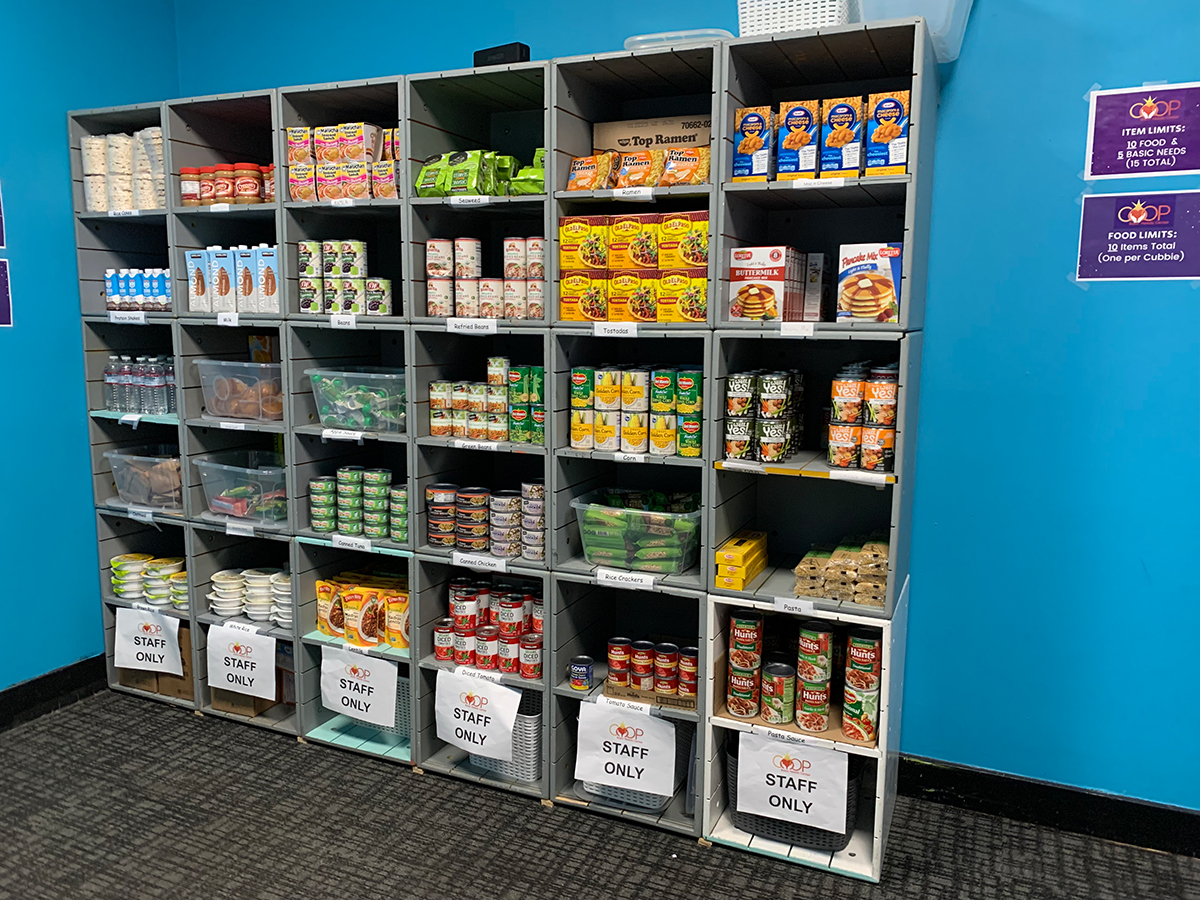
[1145, 214]
[359, 672]
[789, 763]
[473, 700]
[1150, 108]
[237, 648]
[626, 732]
[150, 628]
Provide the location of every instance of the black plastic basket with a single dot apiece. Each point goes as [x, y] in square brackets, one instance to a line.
[790, 832]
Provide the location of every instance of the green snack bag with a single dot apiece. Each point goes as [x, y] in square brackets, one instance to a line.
[661, 566]
[465, 173]
[428, 183]
[528, 181]
[506, 168]
[658, 542]
[650, 553]
[488, 172]
[539, 158]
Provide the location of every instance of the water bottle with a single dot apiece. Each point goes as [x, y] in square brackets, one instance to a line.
[169, 373]
[141, 389]
[154, 386]
[127, 398]
[112, 374]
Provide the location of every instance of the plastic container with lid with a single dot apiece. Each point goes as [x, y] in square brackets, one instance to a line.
[189, 186]
[641, 540]
[241, 390]
[244, 484]
[224, 177]
[148, 475]
[670, 38]
[946, 20]
[360, 399]
[247, 183]
[208, 185]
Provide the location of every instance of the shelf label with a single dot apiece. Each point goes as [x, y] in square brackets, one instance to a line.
[476, 445]
[776, 734]
[743, 465]
[148, 641]
[354, 648]
[341, 434]
[636, 753]
[123, 213]
[491, 675]
[790, 781]
[343, 321]
[634, 581]
[239, 529]
[239, 626]
[479, 561]
[630, 457]
[808, 184]
[636, 706]
[793, 605]
[797, 329]
[875, 478]
[132, 419]
[476, 715]
[640, 194]
[456, 325]
[127, 316]
[614, 329]
[143, 606]
[228, 319]
[364, 690]
[346, 542]
[233, 426]
[141, 514]
[470, 201]
[342, 201]
[219, 207]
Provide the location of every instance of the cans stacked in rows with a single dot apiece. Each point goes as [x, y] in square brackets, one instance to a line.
[509, 406]
[655, 411]
[455, 285]
[333, 279]
[862, 417]
[359, 502]
[506, 524]
[763, 415]
[663, 668]
[493, 625]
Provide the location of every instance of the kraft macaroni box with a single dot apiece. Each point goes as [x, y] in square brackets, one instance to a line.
[199, 299]
[221, 280]
[887, 133]
[841, 137]
[799, 140]
[245, 277]
[753, 147]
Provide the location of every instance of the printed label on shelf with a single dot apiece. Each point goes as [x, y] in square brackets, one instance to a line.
[776, 734]
[127, 316]
[808, 184]
[219, 207]
[354, 648]
[241, 661]
[636, 706]
[636, 753]
[476, 445]
[877, 478]
[793, 605]
[457, 325]
[146, 607]
[346, 542]
[797, 329]
[629, 457]
[234, 426]
[343, 321]
[228, 319]
[470, 201]
[491, 675]
[131, 419]
[341, 434]
[620, 578]
[792, 782]
[476, 715]
[742, 464]
[362, 689]
[141, 514]
[478, 561]
[241, 626]
[239, 529]
[342, 201]
[614, 329]
[123, 213]
[148, 641]
[641, 194]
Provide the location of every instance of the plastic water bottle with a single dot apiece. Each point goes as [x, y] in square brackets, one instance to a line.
[112, 375]
[140, 386]
[127, 395]
[154, 385]
[169, 373]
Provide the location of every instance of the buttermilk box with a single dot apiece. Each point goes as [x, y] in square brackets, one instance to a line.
[763, 281]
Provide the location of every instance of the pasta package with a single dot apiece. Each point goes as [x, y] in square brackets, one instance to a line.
[799, 140]
[633, 241]
[887, 124]
[593, 173]
[686, 165]
[753, 150]
[641, 168]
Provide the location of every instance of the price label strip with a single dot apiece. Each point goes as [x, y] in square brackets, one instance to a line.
[793, 605]
[483, 674]
[631, 705]
[228, 319]
[797, 329]
[341, 434]
[123, 213]
[131, 419]
[239, 529]
[219, 208]
[342, 201]
[476, 445]
[233, 426]
[639, 194]
[470, 201]
[480, 562]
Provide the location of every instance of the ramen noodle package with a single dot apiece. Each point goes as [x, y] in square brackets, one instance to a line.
[583, 242]
[633, 295]
[683, 295]
[583, 296]
[869, 282]
[841, 137]
[887, 133]
[593, 173]
[799, 139]
[686, 165]
[641, 168]
[633, 241]
[753, 151]
[683, 240]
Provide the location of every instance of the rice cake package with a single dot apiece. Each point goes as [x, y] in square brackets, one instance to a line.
[753, 147]
[869, 282]
[799, 140]
[887, 141]
[841, 137]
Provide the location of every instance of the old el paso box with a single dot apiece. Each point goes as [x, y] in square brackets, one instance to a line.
[674, 131]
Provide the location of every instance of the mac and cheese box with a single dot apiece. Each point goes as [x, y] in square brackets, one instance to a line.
[799, 139]
[887, 139]
[841, 137]
[753, 150]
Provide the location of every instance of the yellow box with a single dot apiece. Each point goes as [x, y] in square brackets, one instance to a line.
[743, 546]
[683, 240]
[748, 570]
[683, 296]
[583, 243]
[633, 241]
[583, 296]
[633, 295]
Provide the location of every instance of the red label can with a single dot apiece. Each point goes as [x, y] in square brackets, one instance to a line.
[464, 648]
[618, 677]
[687, 688]
[667, 685]
[539, 615]
[466, 613]
[528, 613]
[618, 654]
[509, 655]
[666, 656]
[689, 663]
[531, 656]
[511, 617]
[864, 659]
[642, 657]
[443, 639]
[487, 647]
[642, 682]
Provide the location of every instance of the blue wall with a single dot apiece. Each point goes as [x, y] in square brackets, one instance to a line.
[52, 61]
[1059, 427]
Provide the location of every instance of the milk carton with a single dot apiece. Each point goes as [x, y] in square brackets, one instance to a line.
[199, 297]
[222, 280]
[245, 274]
[266, 263]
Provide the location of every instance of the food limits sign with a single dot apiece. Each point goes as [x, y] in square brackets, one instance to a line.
[147, 640]
[361, 687]
[625, 749]
[1145, 131]
[792, 782]
[476, 715]
[1140, 237]
[240, 661]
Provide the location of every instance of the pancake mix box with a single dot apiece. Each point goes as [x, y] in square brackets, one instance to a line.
[763, 281]
[869, 282]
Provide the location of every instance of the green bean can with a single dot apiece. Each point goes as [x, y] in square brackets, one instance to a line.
[689, 397]
[537, 425]
[583, 390]
[518, 385]
[519, 423]
[537, 385]
[662, 390]
[690, 439]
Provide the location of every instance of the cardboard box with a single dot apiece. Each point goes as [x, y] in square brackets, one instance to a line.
[754, 144]
[683, 240]
[239, 704]
[672, 701]
[633, 241]
[683, 295]
[329, 182]
[818, 288]
[743, 546]
[763, 281]
[841, 137]
[180, 686]
[887, 142]
[644, 134]
[302, 182]
[583, 296]
[869, 280]
[137, 679]
[633, 295]
[222, 280]
[799, 140]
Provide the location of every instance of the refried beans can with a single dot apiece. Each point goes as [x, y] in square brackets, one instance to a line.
[443, 639]
[778, 692]
[535, 257]
[464, 648]
[467, 257]
[439, 298]
[509, 655]
[531, 656]
[487, 647]
[515, 257]
[812, 706]
[439, 258]
[742, 696]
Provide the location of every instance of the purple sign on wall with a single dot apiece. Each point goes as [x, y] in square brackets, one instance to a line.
[1140, 237]
[5, 296]
[1137, 132]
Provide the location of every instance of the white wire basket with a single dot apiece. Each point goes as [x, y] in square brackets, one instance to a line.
[685, 749]
[403, 724]
[775, 16]
[526, 764]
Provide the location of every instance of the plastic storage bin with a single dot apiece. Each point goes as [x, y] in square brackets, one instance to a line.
[148, 476]
[360, 399]
[946, 19]
[662, 542]
[642, 801]
[241, 390]
[244, 484]
[775, 16]
[526, 764]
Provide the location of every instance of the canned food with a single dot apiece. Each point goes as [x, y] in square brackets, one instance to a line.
[375, 532]
[375, 490]
[535, 257]
[742, 696]
[519, 424]
[618, 677]
[349, 501]
[324, 502]
[533, 507]
[376, 477]
[582, 435]
[880, 394]
[375, 518]
[533, 521]
[860, 714]
[458, 422]
[688, 392]
[506, 535]
[533, 537]
[505, 501]
[439, 298]
[459, 392]
[844, 444]
[441, 395]
[635, 432]
[663, 431]
[324, 484]
[518, 385]
[739, 439]
[441, 540]
[814, 655]
[580, 673]
[666, 684]
[476, 396]
[505, 550]
[442, 513]
[606, 389]
[778, 694]
[491, 298]
[515, 259]
[641, 657]
[878, 449]
[772, 438]
[533, 490]
[537, 618]
[847, 398]
[497, 399]
[350, 474]
[466, 298]
[533, 553]
[606, 431]
[497, 371]
[620, 650]
[537, 425]
[663, 390]
[443, 639]
[864, 659]
[666, 657]
[689, 435]
[531, 656]
[635, 390]
[472, 497]
[471, 515]
[487, 647]
[375, 504]
[509, 655]
[323, 526]
[441, 493]
[641, 681]
[516, 299]
[745, 639]
[812, 706]
[464, 609]
[464, 647]
[441, 423]
[535, 292]
[511, 617]
[739, 395]
[774, 392]
[351, 527]
[468, 253]
[583, 388]
[689, 662]
[477, 426]
[687, 688]
[439, 258]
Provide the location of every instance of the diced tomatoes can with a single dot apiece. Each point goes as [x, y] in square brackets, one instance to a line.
[778, 690]
[742, 696]
[487, 647]
[464, 647]
[531, 656]
[443, 639]
[511, 617]
[509, 655]
[860, 714]
[466, 613]
[812, 706]
[814, 655]
[538, 620]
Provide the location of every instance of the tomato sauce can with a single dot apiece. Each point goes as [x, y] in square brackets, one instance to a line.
[509, 655]
[618, 677]
[689, 663]
[487, 647]
[666, 660]
[666, 684]
[511, 617]
[686, 688]
[641, 657]
[742, 696]
[778, 693]
[620, 651]
[864, 659]
[641, 681]
[814, 657]
[812, 706]
[464, 648]
[443, 639]
[860, 714]
[531, 656]
[580, 673]
[745, 639]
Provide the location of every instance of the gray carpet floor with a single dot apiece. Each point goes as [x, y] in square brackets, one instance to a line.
[117, 797]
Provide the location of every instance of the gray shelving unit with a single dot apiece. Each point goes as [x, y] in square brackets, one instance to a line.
[515, 109]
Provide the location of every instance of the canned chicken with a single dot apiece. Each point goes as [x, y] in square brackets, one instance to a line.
[444, 493]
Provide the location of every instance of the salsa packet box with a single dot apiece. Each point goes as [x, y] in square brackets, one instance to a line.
[887, 145]
[869, 280]
[753, 143]
[841, 137]
[799, 140]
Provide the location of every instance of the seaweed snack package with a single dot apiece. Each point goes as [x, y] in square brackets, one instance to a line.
[753, 151]
[799, 140]
[841, 137]
[869, 282]
[686, 165]
[529, 180]
[465, 173]
[539, 158]
[641, 168]
[428, 183]
[593, 173]
[887, 138]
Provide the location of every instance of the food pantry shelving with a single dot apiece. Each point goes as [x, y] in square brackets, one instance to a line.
[517, 109]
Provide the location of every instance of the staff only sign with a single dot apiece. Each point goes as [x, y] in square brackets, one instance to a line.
[476, 715]
[362, 687]
[625, 749]
[241, 661]
[147, 640]
[793, 782]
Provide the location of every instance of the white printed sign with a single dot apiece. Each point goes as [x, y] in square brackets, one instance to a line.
[479, 562]
[615, 329]
[625, 751]
[127, 316]
[476, 715]
[241, 661]
[636, 581]
[364, 689]
[456, 325]
[792, 782]
[148, 641]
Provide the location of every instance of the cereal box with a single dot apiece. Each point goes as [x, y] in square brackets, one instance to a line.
[583, 242]
[383, 180]
[329, 182]
[360, 142]
[327, 144]
[300, 145]
[355, 179]
[683, 240]
[683, 296]
[633, 241]
[302, 183]
[753, 151]
[869, 282]
[633, 295]
[841, 137]
[799, 138]
[583, 296]
[887, 137]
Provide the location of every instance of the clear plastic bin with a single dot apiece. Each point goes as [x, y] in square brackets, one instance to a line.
[946, 19]
[663, 543]
[148, 476]
[241, 390]
[360, 399]
[244, 484]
